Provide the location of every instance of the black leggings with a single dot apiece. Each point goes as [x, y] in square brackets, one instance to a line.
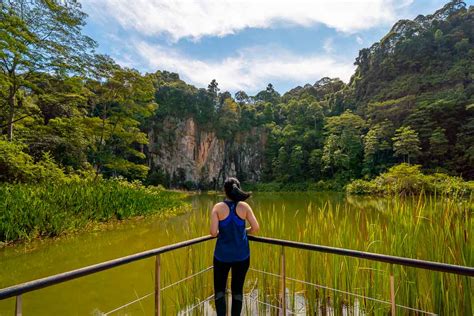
[221, 271]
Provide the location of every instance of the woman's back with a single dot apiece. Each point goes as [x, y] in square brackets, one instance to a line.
[232, 242]
[223, 210]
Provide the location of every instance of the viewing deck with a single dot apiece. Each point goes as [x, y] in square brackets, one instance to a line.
[282, 308]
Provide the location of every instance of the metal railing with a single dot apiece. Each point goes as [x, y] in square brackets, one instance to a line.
[18, 290]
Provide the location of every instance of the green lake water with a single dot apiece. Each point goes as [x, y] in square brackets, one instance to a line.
[324, 218]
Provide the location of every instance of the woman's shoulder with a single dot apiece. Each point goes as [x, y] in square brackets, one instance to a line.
[219, 205]
[244, 204]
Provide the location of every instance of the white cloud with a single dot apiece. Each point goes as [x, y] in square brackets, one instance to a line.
[328, 45]
[250, 69]
[359, 40]
[194, 19]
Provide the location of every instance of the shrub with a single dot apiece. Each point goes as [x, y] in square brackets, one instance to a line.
[362, 187]
[16, 166]
[408, 179]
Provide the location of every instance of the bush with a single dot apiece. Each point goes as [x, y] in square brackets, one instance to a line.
[327, 185]
[16, 166]
[403, 179]
[362, 187]
[408, 179]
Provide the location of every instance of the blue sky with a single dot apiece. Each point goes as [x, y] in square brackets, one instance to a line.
[245, 44]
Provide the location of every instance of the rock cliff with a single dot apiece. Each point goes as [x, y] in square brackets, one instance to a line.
[186, 154]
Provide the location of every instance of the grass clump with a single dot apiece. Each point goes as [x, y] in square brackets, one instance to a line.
[427, 227]
[408, 179]
[29, 210]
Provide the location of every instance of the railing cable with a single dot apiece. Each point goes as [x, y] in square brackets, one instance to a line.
[187, 278]
[343, 292]
[128, 304]
[164, 288]
[269, 305]
[186, 312]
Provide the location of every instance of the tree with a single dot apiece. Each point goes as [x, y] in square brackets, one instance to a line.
[68, 140]
[315, 163]
[333, 157]
[343, 146]
[296, 163]
[438, 144]
[270, 88]
[39, 35]
[279, 165]
[377, 144]
[213, 87]
[205, 109]
[464, 160]
[17, 166]
[268, 95]
[120, 103]
[228, 123]
[438, 35]
[406, 143]
[222, 97]
[241, 97]
[213, 90]
[60, 96]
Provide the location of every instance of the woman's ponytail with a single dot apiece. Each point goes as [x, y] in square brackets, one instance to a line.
[233, 191]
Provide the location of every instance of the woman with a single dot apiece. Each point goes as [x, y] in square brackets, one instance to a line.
[232, 246]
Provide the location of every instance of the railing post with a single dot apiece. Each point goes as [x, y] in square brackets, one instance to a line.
[392, 291]
[18, 306]
[283, 281]
[158, 286]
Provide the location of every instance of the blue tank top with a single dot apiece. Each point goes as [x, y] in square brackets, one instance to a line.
[232, 242]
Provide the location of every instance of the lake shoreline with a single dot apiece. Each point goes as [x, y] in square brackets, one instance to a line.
[91, 227]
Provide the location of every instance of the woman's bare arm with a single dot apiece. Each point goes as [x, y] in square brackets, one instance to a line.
[214, 222]
[250, 217]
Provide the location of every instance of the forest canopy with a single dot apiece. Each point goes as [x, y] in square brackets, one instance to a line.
[411, 99]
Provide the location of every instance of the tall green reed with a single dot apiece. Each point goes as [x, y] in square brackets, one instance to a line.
[51, 209]
[435, 228]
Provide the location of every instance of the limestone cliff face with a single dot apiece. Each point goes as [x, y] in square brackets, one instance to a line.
[186, 153]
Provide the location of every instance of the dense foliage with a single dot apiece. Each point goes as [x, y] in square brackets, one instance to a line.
[410, 100]
[406, 179]
[54, 208]
[62, 99]
[69, 118]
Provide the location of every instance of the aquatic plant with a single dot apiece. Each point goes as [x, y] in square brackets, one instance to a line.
[422, 226]
[56, 207]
